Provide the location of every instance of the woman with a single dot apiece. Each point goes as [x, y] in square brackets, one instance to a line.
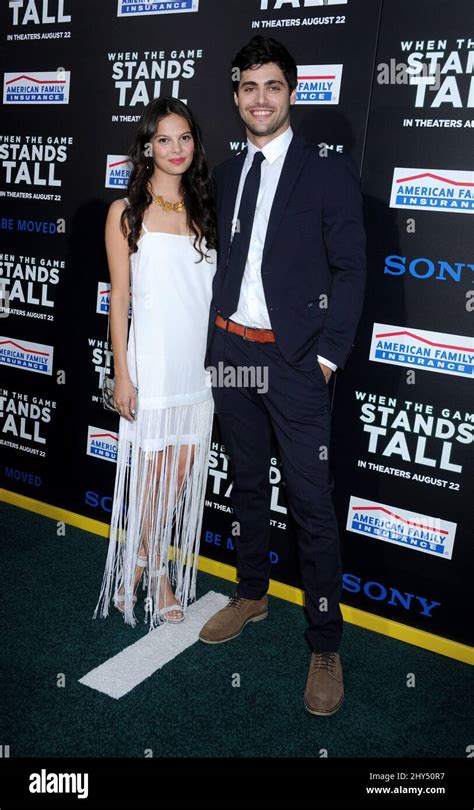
[162, 236]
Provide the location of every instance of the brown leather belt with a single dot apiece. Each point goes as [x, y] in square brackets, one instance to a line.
[246, 332]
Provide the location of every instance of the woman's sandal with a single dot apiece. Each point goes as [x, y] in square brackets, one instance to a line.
[174, 607]
[119, 598]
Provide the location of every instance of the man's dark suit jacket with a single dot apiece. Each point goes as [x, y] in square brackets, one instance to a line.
[315, 246]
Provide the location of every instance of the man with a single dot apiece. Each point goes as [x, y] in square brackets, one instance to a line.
[287, 295]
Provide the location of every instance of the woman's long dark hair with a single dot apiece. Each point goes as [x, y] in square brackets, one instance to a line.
[198, 198]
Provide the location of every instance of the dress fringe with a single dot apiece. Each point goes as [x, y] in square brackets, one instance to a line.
[158, 505]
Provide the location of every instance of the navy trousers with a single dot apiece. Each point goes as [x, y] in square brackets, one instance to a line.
[296, 407]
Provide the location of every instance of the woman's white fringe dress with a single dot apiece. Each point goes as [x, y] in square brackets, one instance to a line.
[151, 516]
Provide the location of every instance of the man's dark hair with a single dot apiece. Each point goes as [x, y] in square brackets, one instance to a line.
[260, 51]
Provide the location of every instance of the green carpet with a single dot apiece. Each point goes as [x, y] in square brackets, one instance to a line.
[190, 708]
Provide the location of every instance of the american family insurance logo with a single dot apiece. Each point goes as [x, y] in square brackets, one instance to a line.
[117, 171]
[103, 298]
[102, 443]
[35, 87]
[433, 190]
[127, 8]
[401, 527]
[318, 84]
[26, 355]
[432, 351]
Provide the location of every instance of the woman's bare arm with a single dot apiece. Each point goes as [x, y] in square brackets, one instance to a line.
[119, 267]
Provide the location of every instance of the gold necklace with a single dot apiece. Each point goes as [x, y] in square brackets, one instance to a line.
[166, 205]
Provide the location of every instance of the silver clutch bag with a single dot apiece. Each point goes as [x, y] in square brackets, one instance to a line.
[108, 388]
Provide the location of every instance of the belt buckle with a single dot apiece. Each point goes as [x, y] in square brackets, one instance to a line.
[251, 340]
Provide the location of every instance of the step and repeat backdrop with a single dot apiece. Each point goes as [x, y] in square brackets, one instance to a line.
[389, 81]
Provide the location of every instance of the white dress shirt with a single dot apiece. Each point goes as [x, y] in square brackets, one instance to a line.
[252, 308]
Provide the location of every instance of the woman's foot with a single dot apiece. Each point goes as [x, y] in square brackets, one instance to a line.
[119, 601]
[119, 597]
[169, 608]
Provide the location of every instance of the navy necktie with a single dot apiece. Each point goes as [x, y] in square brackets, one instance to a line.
[230, 291]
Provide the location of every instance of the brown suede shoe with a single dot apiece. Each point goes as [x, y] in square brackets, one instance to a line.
[324, 691]
[229, 622]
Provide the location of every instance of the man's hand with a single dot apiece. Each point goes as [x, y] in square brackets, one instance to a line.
[326, 371]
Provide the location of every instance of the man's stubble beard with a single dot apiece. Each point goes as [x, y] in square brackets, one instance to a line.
[271, 130]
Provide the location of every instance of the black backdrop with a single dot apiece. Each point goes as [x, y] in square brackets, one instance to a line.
[76, 77]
